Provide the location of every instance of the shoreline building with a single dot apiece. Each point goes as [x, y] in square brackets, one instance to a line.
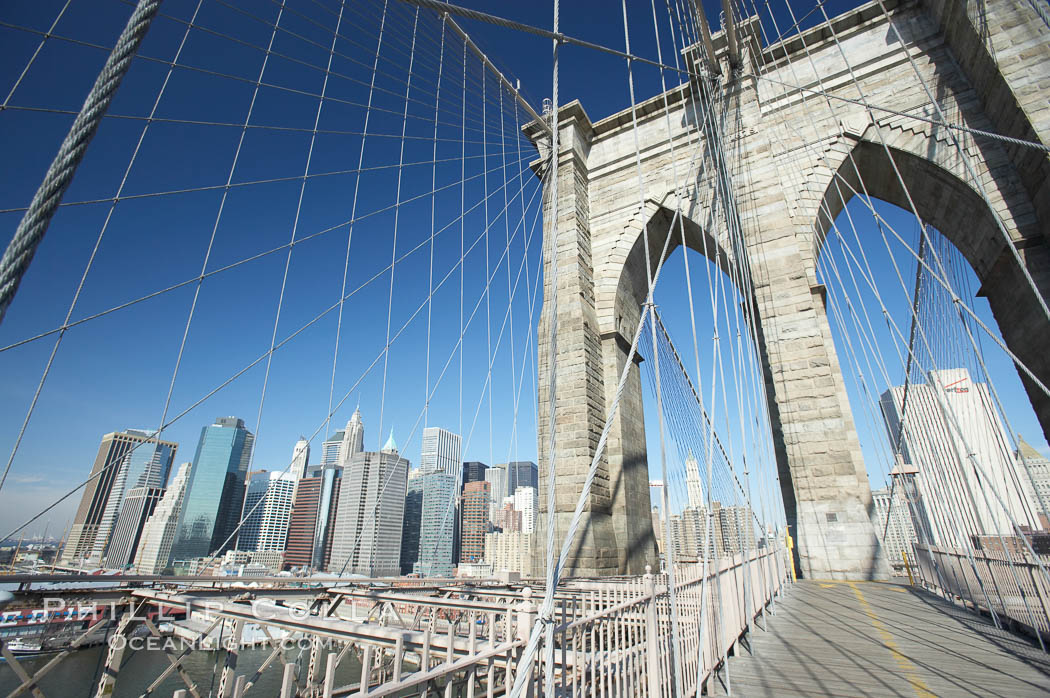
[412, 521]
[437, 524]
[158, 533]
[510, 551]
[475, 520]
[267, 512]
[125, 460]
[138, 505]
[496, 476]
[310, 526]
[370, 516]
[299, 546]
[955, 487]
[211, 507]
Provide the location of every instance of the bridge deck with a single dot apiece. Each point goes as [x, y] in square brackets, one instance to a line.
[874, 639]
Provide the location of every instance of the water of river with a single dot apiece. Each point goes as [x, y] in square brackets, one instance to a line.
[77, 675]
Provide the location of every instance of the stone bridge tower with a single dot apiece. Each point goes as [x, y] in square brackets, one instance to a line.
[795, 158]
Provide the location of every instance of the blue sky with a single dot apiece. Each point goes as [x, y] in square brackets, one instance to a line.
[114, 372]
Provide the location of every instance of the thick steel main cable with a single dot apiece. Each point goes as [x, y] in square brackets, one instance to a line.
[34, 223]
[95, 249]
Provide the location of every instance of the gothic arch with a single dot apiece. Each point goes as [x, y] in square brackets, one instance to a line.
[622, 285]
[939, 184]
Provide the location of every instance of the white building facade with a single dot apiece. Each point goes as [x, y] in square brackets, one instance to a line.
[525, 502]
[496, 476]
[510, 551]
[300, 458]
[267, 511]
[895, 527]
[368, 524]
[967, 475]
[159, 532]
[353, 438]
[440, 452]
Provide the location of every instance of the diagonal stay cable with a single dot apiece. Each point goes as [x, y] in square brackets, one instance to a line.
[218, 388]
[251, 258]
[59, 176]
[94, 252]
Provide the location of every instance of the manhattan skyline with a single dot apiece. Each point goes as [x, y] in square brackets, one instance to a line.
[115, 372]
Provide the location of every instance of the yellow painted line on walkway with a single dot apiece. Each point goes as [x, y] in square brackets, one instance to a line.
[907, 669]
[832, 583]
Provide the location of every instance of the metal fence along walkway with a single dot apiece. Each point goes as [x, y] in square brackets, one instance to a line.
[876, 639]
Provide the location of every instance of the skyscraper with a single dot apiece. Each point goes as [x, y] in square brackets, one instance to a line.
[436, 547]
[692, 482]
[658, 528]
[684, 536]
[522, 473]
[147, 465]
[123, 458]
[353, 438]
[267, 510]
[300, 458]
[211, 508]
[475, 522]
[158, 533]
[525, 501]
[331, 449]
[497, 477]
[474, 471]
[136, 509]
[951, 424]
[440, 452]
[313, 519]
[327, 510]
[412, 521]
[299, 546]
[367, 536]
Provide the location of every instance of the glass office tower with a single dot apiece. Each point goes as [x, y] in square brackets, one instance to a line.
[211, 507]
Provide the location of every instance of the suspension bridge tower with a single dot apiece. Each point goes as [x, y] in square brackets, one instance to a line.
[750, 162]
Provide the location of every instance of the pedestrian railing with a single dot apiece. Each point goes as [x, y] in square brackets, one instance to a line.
[628, 636]
[1013, 587]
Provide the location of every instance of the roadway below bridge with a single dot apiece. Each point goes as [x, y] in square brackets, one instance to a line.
[878, 639]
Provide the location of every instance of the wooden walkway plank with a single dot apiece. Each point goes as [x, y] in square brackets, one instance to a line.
[857, 639]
